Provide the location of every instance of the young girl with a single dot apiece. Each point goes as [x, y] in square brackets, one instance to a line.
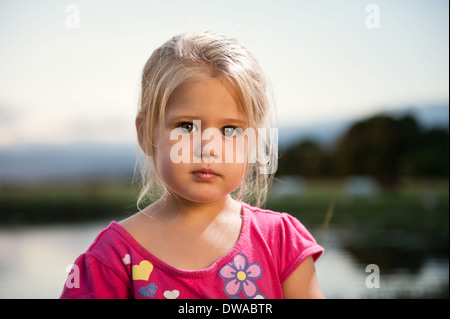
[199, 238]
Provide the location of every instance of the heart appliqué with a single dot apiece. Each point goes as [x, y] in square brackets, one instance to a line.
[142, 271]
[149, 290]
[127, 259]
[171, 294]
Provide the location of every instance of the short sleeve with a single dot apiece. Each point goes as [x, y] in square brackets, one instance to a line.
[90, 279]
[297, 244]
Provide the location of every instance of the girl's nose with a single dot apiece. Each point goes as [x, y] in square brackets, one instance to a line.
[209, 145]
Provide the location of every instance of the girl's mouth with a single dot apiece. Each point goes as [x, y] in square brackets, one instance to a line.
[205, 175]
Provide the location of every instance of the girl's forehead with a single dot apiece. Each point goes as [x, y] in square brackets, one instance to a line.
[205, 98]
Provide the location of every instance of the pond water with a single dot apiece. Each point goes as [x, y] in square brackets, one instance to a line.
[33, 262]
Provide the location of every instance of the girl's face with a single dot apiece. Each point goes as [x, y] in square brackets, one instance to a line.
[196, 147]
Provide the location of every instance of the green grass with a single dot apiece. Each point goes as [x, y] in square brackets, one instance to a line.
[66, 203]
[79, 202]
[411, 206]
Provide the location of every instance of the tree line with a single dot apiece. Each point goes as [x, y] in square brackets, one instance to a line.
[384, 147]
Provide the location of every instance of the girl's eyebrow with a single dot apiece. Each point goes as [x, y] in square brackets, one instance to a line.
[237, 122]
[176, 118]
[225, 121]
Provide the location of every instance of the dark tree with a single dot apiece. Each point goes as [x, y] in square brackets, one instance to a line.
[377, 147]
[305, 158]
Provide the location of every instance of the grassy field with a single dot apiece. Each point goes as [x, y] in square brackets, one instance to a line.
[413, 205]
[65, 203]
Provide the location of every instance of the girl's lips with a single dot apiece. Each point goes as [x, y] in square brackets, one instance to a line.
[205, 175]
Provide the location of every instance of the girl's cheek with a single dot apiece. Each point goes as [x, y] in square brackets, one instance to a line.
[180, 149]
[235, 150]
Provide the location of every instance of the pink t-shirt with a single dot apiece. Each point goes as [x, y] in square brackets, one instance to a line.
[270, 247]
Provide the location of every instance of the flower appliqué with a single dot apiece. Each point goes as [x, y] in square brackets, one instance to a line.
[240, 276]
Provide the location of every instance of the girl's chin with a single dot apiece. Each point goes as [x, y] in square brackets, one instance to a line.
[202, 192]
[204, 199]
[201, 197]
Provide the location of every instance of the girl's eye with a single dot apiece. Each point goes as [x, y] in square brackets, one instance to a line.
[188, 127]
[228, 131]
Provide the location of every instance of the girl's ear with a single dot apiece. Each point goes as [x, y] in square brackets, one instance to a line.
[140, 129]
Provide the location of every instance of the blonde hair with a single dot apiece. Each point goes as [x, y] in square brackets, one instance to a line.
[183, 58]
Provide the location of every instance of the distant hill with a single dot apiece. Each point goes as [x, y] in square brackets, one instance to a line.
[32, 163]
[93, 162]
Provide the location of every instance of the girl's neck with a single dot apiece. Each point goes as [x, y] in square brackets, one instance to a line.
[172, 207]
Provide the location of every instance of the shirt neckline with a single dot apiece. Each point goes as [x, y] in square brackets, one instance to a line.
[213, 268]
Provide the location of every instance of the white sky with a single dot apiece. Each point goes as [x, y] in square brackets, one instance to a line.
[63, 85]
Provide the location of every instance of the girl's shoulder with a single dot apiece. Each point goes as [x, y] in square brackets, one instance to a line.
[277, 229]
[271, 218]
[112, 242]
